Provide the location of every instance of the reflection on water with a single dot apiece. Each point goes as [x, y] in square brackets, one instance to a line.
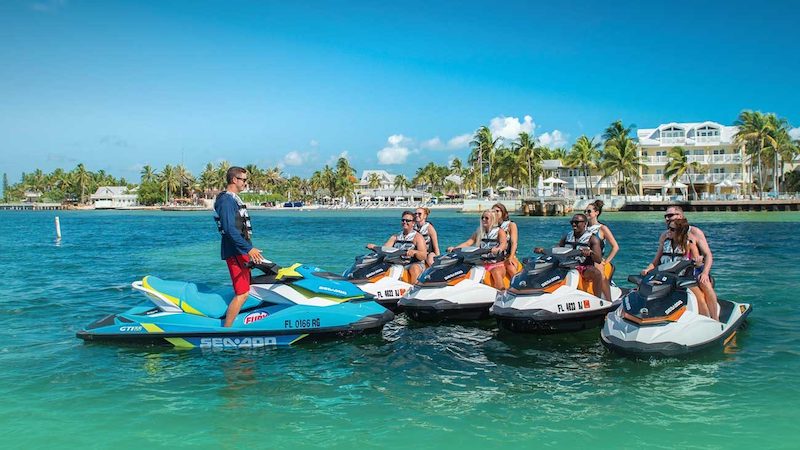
[445, 385]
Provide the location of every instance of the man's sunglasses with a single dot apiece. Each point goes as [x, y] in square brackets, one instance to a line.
[242, 179]
[575, 222]
[407, 220]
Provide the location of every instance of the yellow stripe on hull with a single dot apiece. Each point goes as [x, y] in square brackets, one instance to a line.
[180, 342]
[178, 302]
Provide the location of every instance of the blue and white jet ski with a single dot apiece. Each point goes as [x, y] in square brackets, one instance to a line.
[285, 305]
[660, 317]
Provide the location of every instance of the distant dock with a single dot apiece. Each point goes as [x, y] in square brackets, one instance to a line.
[31, 206]
[717, 205]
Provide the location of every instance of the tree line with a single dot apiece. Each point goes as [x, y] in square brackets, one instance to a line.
[492, 162]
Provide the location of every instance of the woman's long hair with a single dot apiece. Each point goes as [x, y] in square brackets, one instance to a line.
[680, 236]
[480, 234]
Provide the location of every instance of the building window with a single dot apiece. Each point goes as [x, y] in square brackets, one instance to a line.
[719, 170]
[707, 131]
[659, 172]
[719, 151]
[661, 153]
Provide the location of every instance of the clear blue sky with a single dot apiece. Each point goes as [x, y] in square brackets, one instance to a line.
[118, 84]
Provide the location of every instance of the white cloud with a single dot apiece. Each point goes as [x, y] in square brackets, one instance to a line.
[313, 143]
[554, 139]
[459, 142]
[396, 152]
[511, 127]
[433, 144]
[795, 133]
[295, 158]
[454, 143]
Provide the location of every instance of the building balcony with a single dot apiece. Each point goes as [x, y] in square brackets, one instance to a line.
[700, 178]
[655, 160]
[595, 181]
[673, 140]
[715, 159]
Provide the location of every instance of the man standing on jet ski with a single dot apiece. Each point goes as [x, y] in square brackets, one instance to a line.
[592, 252]
[699, 238]
[237, 249]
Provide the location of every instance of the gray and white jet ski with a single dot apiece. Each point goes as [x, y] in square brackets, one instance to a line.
[455, 287]
[549, 296]
[381, 273]
[660, 317]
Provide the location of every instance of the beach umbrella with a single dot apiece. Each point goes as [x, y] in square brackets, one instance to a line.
[509, 189]
[553, 180]
[398, 198]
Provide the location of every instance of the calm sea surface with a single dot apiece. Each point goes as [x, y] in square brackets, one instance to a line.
[452, 386]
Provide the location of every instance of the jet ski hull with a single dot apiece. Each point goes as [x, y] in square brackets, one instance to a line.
[440, 310]
[143, 326]
[690, 334]
[542, 321]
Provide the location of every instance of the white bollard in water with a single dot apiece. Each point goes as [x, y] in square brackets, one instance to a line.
[58, 228]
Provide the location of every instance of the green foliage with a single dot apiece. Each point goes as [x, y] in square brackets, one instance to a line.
[793, 181]
[150, 193]
[250, 197]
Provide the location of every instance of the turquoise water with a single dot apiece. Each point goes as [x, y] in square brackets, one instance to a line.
[453, 386]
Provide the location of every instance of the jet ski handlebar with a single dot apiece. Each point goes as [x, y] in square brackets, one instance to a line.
[266, 266]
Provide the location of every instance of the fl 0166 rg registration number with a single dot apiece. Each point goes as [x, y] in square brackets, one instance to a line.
[301, 323]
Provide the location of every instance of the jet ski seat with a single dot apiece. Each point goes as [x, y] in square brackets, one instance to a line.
[192, 300]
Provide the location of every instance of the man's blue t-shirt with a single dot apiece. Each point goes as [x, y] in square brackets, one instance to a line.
[233, 243]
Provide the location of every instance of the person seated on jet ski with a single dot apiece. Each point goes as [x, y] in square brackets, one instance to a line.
[489, 235]
[425, 228]
[511, 234]
[411, 241]
[704, 277]
[593, 211]
[677, 245]
[592, 254]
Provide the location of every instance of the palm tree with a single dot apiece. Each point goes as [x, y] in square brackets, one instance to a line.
[756, 131]
[784, 148]
[401, 183]
[148, 174]
[273, 179]
[255, 177]
[82, 178]
[374, 181]
[169, 181]
[209, 181]
[620, 157]
[527, 156]
[456, 166]
[678, 165]
[483, 148]
[184, 177]
[584, 154]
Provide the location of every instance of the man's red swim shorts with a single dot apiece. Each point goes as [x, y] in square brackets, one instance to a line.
[240, 274]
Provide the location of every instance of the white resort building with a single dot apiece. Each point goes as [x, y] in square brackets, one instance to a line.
[111, 197]
[724, 163]
[385, 191]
